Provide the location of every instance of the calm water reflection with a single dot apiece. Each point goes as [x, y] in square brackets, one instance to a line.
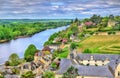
[19, 45]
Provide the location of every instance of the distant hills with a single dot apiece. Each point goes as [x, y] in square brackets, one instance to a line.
[12, 21]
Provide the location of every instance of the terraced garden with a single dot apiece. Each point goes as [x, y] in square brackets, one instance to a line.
[107, 44]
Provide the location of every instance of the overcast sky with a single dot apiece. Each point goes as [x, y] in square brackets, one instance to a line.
[56, 9]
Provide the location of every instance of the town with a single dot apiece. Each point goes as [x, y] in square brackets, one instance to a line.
[88, 48]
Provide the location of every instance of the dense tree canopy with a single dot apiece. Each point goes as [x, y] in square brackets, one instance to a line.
[11, 31]
[29, 52]
[73, 46]
[14, 59]
[28, 74]
[48, 74]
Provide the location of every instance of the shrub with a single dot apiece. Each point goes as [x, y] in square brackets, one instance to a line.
[113, 32]
[28, 74]
[15, 71]
[109, 32]
[72, 72]
[48, 74]
[7, 63]
[53, 65]
[91, 33]
[2, 75]
[73, 46]
[87, 51]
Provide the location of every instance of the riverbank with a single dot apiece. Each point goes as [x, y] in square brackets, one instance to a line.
[25, 36]
[20, 44]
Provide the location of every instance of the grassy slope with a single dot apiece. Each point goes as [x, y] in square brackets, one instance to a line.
[109, 44]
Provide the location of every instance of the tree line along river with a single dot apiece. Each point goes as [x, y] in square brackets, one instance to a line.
[19, 45]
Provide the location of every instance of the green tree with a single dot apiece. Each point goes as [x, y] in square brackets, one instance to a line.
[48, 74]
[7, 63]
[14, 59]
[76, 19]
[87, 51]
[1, 74]
[73, 46]
[29, 53]
[28, 74]
[16, 71]
[71, 73]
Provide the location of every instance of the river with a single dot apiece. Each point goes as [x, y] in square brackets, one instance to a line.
[19, 45]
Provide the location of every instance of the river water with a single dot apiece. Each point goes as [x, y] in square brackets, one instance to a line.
[19, 45]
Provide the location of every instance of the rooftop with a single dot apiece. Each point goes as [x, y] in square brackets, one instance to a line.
[99, 71]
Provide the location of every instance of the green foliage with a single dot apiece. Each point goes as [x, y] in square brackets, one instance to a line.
[12, 31]
[14, 60]
[117, 27]
[71, 73]
[87, 51]
[7, 63]
[64, 53]
[74, 28]
[16, 71]
[76, 20]
[1, 75]
[61, 53]
[96, 18]
[53, 65]
[73, 46]
[28, 74]
[111, 32]
[48, 74]
[29, 53]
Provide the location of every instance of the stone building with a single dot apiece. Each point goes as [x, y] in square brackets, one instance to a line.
[92, 65]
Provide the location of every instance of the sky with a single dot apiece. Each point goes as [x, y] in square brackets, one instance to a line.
[57, 9]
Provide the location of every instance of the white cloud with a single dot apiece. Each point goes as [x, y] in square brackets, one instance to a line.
[58, 7]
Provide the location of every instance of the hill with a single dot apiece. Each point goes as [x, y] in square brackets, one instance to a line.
[108, 44]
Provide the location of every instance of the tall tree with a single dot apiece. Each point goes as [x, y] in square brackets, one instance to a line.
[29, 53]
[76, 19]
[73, 46]
[14, 59]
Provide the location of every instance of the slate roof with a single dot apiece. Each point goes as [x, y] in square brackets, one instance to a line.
[64, 65]
[98, 56]
[96, 71]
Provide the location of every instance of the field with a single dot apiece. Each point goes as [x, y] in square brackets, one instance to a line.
[107, 44]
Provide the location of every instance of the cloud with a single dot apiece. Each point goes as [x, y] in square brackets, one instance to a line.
[57, 8]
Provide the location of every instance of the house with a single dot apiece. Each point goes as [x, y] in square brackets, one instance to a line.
[111, 23]
[54, 46]
[72, 37]
[93, 65]
[46, 48]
